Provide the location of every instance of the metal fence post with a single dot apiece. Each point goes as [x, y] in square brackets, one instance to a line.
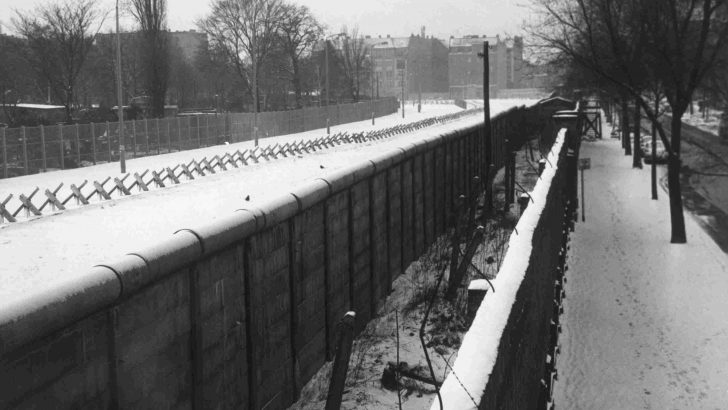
[197, 122]
[43, 147]
[179, 133]
[78, 147]
[146, 141]
[5, 154]
[63, 153]
[25, 150]
[108, 140]
[93, 143]
[169, 136]
[134, 136]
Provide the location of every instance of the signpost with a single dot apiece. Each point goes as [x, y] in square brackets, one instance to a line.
[584, 163]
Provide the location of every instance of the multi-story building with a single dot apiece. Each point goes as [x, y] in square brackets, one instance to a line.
[411, 64]
[465, 67]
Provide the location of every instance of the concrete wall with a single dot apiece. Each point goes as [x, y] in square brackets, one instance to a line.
[239, 313]
[507, 357]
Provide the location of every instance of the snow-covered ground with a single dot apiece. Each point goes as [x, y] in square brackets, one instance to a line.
[644, 323]
[44, 251]
[709, 124]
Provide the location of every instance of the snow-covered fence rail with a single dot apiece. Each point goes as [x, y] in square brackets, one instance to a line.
[167, 176]
[239, 312]
[508, 355]
[29, 150]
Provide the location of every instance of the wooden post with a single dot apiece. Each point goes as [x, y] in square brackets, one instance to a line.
[93, 142]
[43, 147]
[5, 154]
[344, 340]
[25, 150]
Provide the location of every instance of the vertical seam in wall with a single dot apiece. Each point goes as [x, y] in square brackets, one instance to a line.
[327, 323]
[372, 297]
[195, 340]
[425, 245]
[294, 253]
[248, 325]
[350, 246]
[402, 219]
[112, 318]
[387, 227]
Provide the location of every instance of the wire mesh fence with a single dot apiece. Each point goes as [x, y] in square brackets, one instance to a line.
[30, 150]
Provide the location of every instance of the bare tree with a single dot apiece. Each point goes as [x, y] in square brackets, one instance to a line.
[244, 30]
[678, 40]
[60, 37]
[152, 18]
[299, 31]
[354, 57]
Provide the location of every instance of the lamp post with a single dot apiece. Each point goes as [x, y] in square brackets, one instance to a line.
[122, 160]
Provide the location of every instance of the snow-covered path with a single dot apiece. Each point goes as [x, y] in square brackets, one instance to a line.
[645, 321]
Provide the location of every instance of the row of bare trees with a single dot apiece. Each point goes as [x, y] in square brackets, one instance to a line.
[642, 51]
[259, 52]
[275, 46]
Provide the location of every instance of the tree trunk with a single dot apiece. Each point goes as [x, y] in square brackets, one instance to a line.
[297, 83]
[677, 218]
[624, 123]
[637, 157]
[653, 165]
[69, 103]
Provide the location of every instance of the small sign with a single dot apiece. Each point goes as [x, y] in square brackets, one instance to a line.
[584, 163]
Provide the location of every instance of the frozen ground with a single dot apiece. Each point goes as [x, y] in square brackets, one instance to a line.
[44, 251]
[644, 324]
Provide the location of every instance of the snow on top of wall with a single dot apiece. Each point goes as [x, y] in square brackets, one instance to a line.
[479, 350]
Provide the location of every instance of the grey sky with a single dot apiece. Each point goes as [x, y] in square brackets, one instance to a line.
[374, 17]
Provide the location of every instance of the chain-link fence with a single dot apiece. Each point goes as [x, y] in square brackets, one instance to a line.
[30, 150]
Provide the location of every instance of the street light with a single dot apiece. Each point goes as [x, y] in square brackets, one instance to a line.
[122, 160]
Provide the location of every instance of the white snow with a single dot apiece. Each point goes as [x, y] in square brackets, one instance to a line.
[479, 350]
[39, 252]
[644, 322]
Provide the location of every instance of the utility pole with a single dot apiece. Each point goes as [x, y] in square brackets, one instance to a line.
[377, 85]
[487, 127]
[122, 160]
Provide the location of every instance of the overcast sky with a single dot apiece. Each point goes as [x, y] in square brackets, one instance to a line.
[374, 17]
